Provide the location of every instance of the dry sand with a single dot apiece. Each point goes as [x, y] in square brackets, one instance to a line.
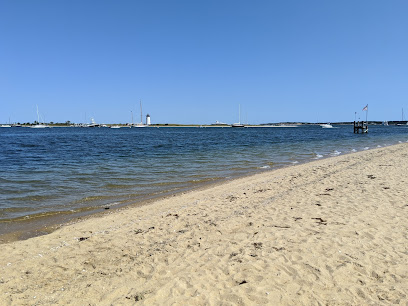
[330, 232]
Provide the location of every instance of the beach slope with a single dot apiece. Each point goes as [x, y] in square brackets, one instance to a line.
[329, 232]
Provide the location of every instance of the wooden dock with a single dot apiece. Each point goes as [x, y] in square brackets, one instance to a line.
[360, 126]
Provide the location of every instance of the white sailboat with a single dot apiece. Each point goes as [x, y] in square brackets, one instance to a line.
[402, 120]
[239, 124]
[39, 125]
[141, 118]
[6, 125]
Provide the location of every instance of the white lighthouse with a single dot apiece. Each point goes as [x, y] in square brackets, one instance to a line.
[148, 119]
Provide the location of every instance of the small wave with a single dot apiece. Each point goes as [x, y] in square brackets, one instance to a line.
[400, 141]
[112, 204]
[38, 215]
[317, 156]
[29, 145]
[264, 167]
[203, 180]
[366, 148]
[32, 198]
[116, 186]
[335, 153]
[295, 162]
[353, 150]
[91, 199]
[379, 146]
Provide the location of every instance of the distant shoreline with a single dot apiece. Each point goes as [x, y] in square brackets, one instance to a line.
[277, 124]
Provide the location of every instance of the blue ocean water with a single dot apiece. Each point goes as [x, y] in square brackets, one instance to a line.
[49, 171]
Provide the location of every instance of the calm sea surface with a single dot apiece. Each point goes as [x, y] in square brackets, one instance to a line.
[44, 172]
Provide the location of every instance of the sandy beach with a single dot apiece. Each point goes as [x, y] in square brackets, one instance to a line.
[329, 232]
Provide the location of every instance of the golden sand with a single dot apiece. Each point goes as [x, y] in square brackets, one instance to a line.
[329, 232]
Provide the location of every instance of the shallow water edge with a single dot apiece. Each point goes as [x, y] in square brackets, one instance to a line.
[43, 224]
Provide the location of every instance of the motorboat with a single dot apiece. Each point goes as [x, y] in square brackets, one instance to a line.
[326, 126]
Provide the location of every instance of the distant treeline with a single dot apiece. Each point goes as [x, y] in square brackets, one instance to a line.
[335, 123]
[69, 123]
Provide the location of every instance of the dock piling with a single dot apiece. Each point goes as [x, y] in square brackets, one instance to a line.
[360, 126]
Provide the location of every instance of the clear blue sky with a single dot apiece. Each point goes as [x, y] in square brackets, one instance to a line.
[196, 61]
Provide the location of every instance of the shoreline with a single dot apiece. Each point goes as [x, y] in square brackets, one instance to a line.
[26, 228]
[330, 231]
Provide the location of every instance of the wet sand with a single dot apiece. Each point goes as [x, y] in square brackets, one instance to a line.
[333, 232]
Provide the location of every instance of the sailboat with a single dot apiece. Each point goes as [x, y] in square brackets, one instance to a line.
[402, 120]
[39, 125]
[6, 125]
[141, 118]
[239, 124]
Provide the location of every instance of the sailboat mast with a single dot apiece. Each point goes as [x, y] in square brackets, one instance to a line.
[38, 115]
[239, 113]
[141, 114]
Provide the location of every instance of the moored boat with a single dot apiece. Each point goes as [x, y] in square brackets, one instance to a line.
[326, 126]
[239, 124]
[39, 125]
